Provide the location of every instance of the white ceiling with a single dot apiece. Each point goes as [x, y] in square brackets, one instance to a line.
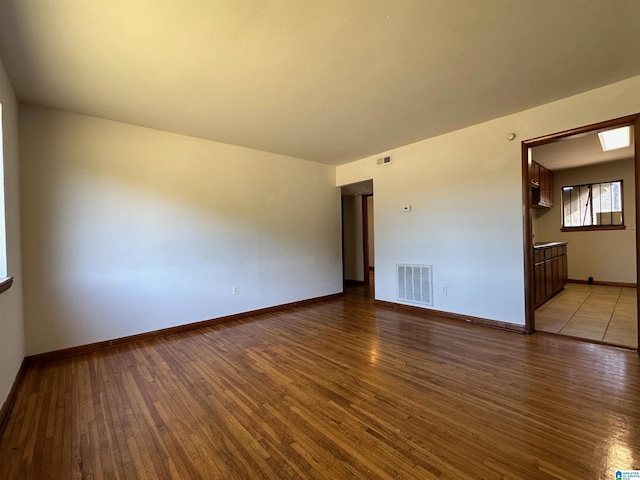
[578, 151]
[325, 80]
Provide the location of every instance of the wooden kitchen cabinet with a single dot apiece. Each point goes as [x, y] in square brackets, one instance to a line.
[550, 272]
[541, 186]
[534, 174]
[546, 188]
[538, 287]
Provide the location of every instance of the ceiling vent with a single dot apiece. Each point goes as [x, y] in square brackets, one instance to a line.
[383, 161]
[415, 284]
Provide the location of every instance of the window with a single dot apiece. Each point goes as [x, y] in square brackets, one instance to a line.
[5, 282]
[594, 206]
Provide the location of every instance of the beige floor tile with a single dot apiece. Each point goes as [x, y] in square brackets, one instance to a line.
[574, 290]
[587, 327]
[564, 308]
[602, 298]
[609, 302]
[623, 321]
[606, 291]
[579, 287]
[569, 297]
[629, 313]
[559, 311]
[628, 293]
[628, 298]
[546, 324]
[581, 333]
[629, 327]
[633, 332]
[627, 304]
[622, 340]
[605, 316]
[595, 312]
[569, 300]
[573, 296]
[553, 316]
[595, 304]
[630, 336]
[589, 319]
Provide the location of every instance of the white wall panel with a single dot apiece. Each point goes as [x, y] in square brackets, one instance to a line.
[466, 197]
[128, 230]
[12, 342]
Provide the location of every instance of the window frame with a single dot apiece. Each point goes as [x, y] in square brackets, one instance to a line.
[5, 281]
[591, 228]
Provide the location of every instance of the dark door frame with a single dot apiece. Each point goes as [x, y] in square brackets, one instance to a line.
[365, 237]
[526, 202]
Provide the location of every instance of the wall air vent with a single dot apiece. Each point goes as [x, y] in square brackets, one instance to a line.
[415, 284]
[383, 161]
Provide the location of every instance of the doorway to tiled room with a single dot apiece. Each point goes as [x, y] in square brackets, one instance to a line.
[581, 233]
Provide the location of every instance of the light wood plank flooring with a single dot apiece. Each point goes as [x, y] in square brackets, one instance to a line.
[337, 390]
[593, 312]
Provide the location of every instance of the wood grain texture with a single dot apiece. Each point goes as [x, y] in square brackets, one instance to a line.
[440, 315]
[11, 398]
[338, 390]
[93, 347]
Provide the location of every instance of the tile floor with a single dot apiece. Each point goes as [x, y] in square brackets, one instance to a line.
[595, 312]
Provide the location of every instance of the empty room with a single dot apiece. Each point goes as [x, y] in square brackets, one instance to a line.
[316, 239]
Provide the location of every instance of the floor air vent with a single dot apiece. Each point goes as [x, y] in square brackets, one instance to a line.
[414, 284]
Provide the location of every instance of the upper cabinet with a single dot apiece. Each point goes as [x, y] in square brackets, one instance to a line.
[541, 186]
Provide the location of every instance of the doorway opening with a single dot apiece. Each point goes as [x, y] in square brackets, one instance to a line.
[358, 247]
[561, 162]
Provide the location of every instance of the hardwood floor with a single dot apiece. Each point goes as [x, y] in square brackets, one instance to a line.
[338, 390]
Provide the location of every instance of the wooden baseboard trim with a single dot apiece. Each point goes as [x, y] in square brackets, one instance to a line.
[609, 284]
[440, 315]
[93, 347]
[11, 398]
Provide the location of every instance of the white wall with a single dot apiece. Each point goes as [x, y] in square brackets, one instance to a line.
[128, 230]
[608, 256]
[352, 235]
[12, 344]
[465, 189]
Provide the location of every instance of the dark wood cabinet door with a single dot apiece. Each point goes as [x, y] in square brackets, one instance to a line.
[550, 272]
[548, 278]
[534, 173]
[545, 188]
[541, 186]
[538, 284]
[556, 268]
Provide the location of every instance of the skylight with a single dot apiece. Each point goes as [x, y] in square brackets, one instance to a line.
[616, 138]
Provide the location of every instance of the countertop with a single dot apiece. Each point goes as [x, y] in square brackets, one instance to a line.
[548, 244]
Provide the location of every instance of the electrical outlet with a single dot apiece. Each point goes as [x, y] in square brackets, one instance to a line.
[235, 289]
[443, 289]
